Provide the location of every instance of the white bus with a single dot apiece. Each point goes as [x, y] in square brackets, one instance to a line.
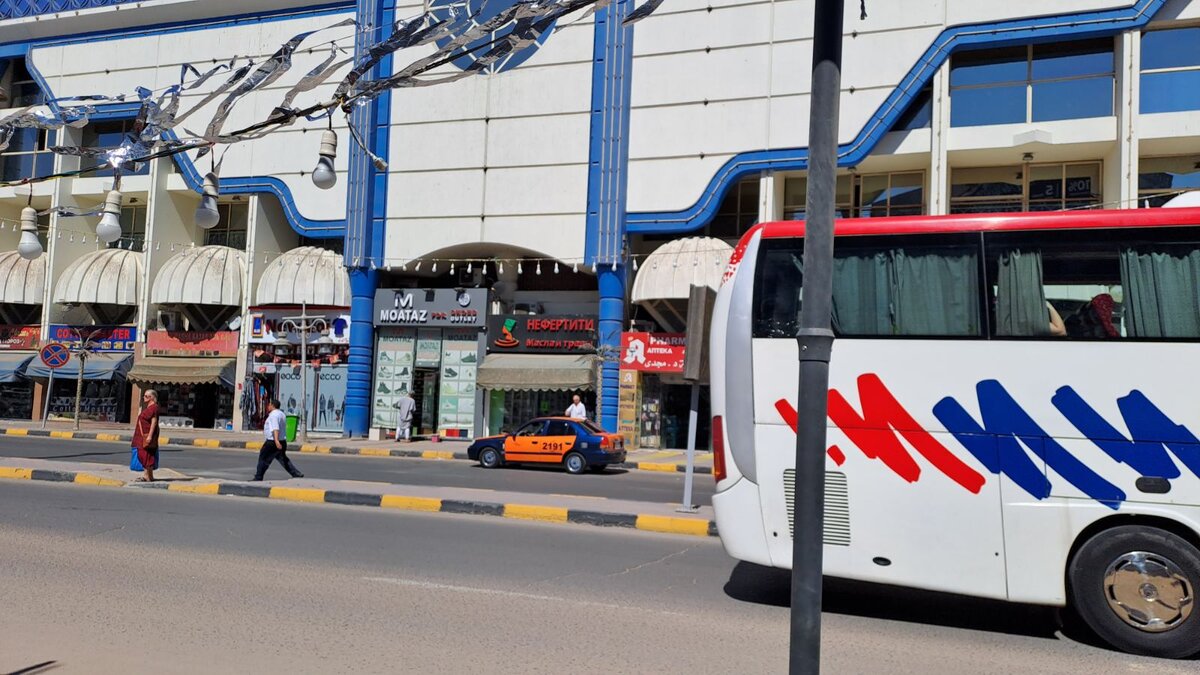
[1014, 407]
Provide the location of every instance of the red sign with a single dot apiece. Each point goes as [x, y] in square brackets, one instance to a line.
[653, 352]
[192, 343]
[19, 337]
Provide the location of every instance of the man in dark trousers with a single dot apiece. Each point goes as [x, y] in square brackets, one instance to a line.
[275, 447]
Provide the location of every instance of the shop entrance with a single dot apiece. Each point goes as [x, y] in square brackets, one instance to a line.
[425, 393]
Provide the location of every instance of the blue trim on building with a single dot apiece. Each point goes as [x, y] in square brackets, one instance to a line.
[1019, 31]
[316, 229]
[17, 9]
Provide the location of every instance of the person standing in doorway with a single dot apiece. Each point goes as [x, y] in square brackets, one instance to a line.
[275, 447]
[577, 411]
[145, 435]
[404, 406]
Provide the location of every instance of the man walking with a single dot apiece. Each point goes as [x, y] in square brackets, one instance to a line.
[404, 406]
[275, 447]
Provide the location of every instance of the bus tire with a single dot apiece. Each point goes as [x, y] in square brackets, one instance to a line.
[489, 458]
[1136, 587]
[575, 463]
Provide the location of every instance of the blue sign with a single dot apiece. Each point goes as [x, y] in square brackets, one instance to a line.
[116, 339]
[472, 13]
[55, 355]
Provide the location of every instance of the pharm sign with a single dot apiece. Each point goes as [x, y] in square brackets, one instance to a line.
[653, 352]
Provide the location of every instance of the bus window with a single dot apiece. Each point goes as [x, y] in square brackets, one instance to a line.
[929, 287]
[1162, 290]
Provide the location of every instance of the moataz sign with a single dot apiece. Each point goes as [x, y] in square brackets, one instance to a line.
[433, 307]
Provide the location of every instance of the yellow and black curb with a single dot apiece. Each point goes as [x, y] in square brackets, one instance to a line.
[696, 527]
[228, 444]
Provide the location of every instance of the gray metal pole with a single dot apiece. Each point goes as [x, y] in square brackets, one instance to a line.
[689, 477]
[304, 373]
[816, 339]
[46, 403]
[79, 385]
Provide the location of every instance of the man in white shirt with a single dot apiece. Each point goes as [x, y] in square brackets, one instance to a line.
[275, 447]
[404, 406]
[576, 410]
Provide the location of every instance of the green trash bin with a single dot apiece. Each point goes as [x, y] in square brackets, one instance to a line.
[293, 422]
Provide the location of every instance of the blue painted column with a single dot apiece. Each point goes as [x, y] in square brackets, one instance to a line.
[612, 74]
[366, 216]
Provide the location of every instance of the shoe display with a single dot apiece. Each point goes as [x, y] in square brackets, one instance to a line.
[385, 356]
[383, 388]
[451, 373]
[470, 358]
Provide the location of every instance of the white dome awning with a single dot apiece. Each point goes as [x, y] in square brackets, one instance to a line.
[206, 275]
[22, 282]
[670, 271]
[110, 276]
[311, 275]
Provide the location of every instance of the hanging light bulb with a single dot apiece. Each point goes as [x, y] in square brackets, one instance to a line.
[614, 266]
[435, 267]
[556, 267]
[519, 270]
[418, 265]
[501, 266]
[539, 268]
[575, 267]
[403, 267]
[109, 228]
[634, 264]
[30, 248]
[324, 176]
[484, 267]
[468, 267]
[207, 216]
[593, 267]
[451, 268]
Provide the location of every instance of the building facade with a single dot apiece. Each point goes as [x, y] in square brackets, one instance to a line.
[542, 185]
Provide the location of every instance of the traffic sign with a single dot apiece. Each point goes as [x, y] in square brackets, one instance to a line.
[55, 355]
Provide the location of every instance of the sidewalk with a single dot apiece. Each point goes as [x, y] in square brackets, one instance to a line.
[562, 509]
[670, 461]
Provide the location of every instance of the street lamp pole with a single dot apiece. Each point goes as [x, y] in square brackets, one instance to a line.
[303, 324]
[815, 338]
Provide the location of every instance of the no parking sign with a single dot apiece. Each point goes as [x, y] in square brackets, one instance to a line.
[55, 355]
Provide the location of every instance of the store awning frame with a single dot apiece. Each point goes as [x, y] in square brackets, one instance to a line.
[664, 282]
[12, 365]
[99, 367]
[537, 372]
[153, 370]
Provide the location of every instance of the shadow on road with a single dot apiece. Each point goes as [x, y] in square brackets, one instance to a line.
[35, 669]
[769, 586]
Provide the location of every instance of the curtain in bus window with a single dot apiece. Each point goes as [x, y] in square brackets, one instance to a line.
[862, 290]
[1020, 296]
[1162, 292]
[936, 292]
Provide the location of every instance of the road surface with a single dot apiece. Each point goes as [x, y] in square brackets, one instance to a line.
[134, 580]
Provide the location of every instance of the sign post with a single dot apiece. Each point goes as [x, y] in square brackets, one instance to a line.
[55, 356]
[700, 302]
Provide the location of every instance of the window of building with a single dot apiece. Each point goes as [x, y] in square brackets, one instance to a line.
[1032, 83]
[108, 135]
[337, 245]
[738, 211]
[1025, 187]
[918, 115]
[20, 86]
[1170, 70]
[231, 230]
[28, 154]
[1162, 178]
[863, 195]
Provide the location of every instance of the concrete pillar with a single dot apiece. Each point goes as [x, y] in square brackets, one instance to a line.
[1121, 165]
[612, 284]
[363, 283]
[939, 158]
[770, 197]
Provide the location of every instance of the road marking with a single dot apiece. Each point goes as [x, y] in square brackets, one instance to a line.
[195, 488]
[206, 443]
[549, 514]
[311, 495]
[437, 454]
[671, 525]
[432, 586]
[19, 474]
[108, 437]
[253, 445]
[62, 434]
[429, 504]
[163, 440]
[89, 479]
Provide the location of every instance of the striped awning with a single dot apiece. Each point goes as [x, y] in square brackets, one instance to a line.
[537, 372]
[182, 370]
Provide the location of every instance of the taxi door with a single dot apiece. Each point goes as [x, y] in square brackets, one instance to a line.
[559, 439]
[526, 444]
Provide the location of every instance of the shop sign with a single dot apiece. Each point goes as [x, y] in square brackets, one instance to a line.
[430, 307]
[106, 338]
[192, 343]
[653, 352]
[265, 324]
[19, 337]
[541, 333]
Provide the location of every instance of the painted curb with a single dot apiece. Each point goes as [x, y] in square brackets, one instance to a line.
[227, 444]
[696, 527]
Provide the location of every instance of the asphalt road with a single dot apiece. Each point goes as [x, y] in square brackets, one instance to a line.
[134, 580]
[646, 486]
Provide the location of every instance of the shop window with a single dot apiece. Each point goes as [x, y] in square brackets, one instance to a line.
[863, 196]
[1027, 187]
[28, 154]
[231, 229]
[108, 135]
[1032, 83]
[1170, 79]
[1160, 179]
[918, 115]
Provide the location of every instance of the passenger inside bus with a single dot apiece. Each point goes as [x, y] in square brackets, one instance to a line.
[1094, 320]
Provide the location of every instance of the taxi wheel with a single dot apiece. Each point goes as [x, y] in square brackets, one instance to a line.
[599, 468]
[574, 463]
[489, 458]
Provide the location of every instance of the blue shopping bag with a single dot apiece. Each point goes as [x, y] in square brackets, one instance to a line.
[134, 463]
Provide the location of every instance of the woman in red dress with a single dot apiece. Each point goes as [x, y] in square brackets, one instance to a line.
[145, 435]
